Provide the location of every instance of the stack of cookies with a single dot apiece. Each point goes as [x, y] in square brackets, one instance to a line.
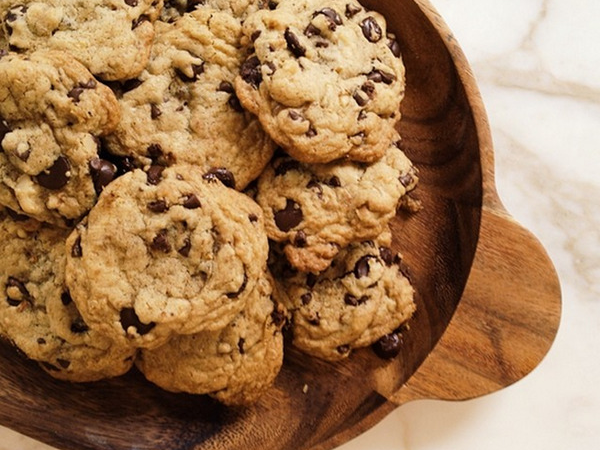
[180, 179]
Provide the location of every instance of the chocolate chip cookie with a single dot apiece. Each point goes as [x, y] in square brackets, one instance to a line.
[360, 298]
[31, 278]
[51, 114]
[163, 252]
[183, 108]
[324, 78]
[314, 210]
[111, 38]
[235, 365]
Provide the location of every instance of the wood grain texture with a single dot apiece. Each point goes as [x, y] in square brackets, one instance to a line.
[488, 302]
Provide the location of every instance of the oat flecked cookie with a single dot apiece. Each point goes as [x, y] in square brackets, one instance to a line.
[183, 108]
[235, 365]
[163, 252]
[51, 114]
[361, 298]
[111, 38]
[31, 278]
[317, 209]
[325, 79]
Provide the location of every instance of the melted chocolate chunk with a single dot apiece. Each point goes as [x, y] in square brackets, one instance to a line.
[103, 172]
[278, 317]
[334, 182]
[311, 30]
[161, 242]
[361, 268]
[253, 218]
[315, 319]
[157, 206]
[351, 300]
[371, 29]
[306, 298]
[16, 292]
[394, 46]
[343, 349]
[332, 16]
[387, 255]
[226, 86]
[76, 251]
[300, 239]
[381, 76]
[57, 176]
[63, 363]
[76, 92]
[272, 4]
[131, 3]
[314, 184]
[293, 43]
[241, 289]
[129, 318]
[154, 174]
[221, 174]
[285, 166]
[250, 71]
[352, 10]
[312, 132]
[197, 69]
[289, 217]
[186, 249]
[360, 99]
[406, 179]
[140, 20]
[388, 346]
[255, 35]
[235, 104]
[155, 111]
[191, 201]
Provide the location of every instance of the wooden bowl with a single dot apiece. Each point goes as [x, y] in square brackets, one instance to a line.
[488, 302]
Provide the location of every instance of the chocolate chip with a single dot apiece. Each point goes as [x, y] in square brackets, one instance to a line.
[362, 115]
[76, 250]
[333, 17]
[368, 88]
[300, 239]
[311, 280]
[41, 341]
[255, 35]
[25, 155]
[161, 242]
[79, 326]
[226, 86]
[311, 30]
[352, 10]
[187, 247]
[137, 22]
[293, 43]
[278, 317]
[272, 5]
[360, 98]
[306, 298]
[295, 115]
[343, 349]
[16, 292]
[157, 206]
[315, 319]
[154, 174]
[334, 182]
[155, 151]
[129, 318]
[191, 201]
[289, 217]
[63, 363]
[235, 104]
[237, 293]
[315, 185]
[285, 166]
[351, 300]
[381, 76]
[250, 71]
[371, 29]
[387, 255]
[388, 346]
[312, 132]
[253, 218]
[103, 172]
[197, 69]
[240, 345]
[361, 268]
[406, 179]
[394, 46]
[14, 12]
[321, 44]
[131, 3]
[155, 111]
[221, 174]
[57, 176]
[66, 299]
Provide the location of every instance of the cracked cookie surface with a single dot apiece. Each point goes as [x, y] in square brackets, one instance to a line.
[52, 111]
[163, 252]
[325, 79]
[314, 210]
[111, 38]
[32, 279]
[183, 108]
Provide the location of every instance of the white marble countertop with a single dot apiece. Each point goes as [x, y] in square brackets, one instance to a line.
[537, 64]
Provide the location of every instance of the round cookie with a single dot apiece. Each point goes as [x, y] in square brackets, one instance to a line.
[361, 298]
[314, 210]
[51, 114]
[183, 108]
[235, 365]
[165, 252]
[31, 278]
[111, 38]
[324, 79]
